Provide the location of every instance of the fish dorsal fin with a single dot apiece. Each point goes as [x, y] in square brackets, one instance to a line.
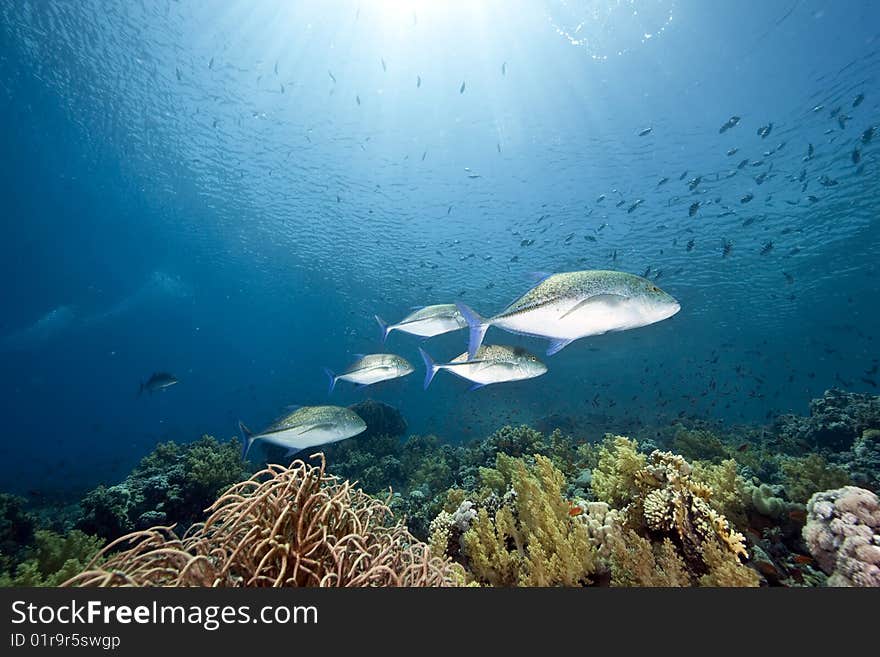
[595, 299]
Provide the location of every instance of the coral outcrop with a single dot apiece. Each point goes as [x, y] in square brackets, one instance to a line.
[175, 483]
[836, 420]
[843, 535]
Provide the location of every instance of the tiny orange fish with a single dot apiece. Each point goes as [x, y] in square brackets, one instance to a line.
[802, 559]
[798, 515]
[575, 511]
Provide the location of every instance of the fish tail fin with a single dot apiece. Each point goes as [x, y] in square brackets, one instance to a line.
[332, 378]
[247, 439]
[431, 368]
[384, 326]
[477, 325]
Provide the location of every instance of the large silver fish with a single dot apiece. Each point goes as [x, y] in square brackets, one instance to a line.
[565, 307]
[492, 364]
[426, 322]
[371, 368]
[306, 427]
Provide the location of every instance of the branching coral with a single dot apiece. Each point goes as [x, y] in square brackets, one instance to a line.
[614, 478]
[54, 558]
[293, 526]
[806, 475]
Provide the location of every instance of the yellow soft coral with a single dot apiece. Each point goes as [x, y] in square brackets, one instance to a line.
[534, 543]
[614, 478]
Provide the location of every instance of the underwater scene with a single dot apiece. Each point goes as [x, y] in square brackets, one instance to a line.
[417, 293]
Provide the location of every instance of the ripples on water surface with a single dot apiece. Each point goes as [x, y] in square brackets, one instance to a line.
[230, 191]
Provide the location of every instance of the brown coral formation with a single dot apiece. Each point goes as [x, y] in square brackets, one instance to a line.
[293, 526]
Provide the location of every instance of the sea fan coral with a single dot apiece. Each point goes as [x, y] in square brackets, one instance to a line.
[293, 526]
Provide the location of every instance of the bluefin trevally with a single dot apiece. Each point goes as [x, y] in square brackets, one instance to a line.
[158, 381]
[426, 322]
[567, 306]
[306, 427]
[371, 368]
[492, 364]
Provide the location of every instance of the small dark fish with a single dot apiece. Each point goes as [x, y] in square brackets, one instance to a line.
[693, 209]
[763, 131]
[620, 203]
[730, 123]
[690, 245]
[332, 77]
[631, 208]
[835, 111]
[504, 68]
[179, 76]
[647, 271]
[276, 67]
[812, 199]
[757, 163]
[527, 242]
[868, 135]
[663, 181]
[788, 277]
[761, 177]
[514, 259]
[842, 119]
[384, 67]
[693, 182]
[810, 151]
[726, 248]
[742, 164]
[418, 81]
[568, 238]
[825, 181]
[856, 155]
[748, 197]
[803, 175]
[767, 248]
[645, 131]
[424, 155]
[732, 151]
[211, 64]
[858, 100]
[600, 198]
[158, 381]
[461, 88]
[589, 238]
[748, 222]
[683, 174]
[358, 99]
[818, 108]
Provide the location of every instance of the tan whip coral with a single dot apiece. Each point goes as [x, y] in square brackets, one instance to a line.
[293, 526]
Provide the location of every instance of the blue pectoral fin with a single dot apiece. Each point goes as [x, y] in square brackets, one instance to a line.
[557, 345]
[477, 326]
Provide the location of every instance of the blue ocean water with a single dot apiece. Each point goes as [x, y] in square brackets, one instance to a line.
[230, 191]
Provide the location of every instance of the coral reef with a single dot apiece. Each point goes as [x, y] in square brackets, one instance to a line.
[805, 475]
[293, 526]
[53, 559]
[175, 483]
[836, 420]
[843, 534]
[531, 539]
[16, 530]
[381, 419]
[864, 462]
